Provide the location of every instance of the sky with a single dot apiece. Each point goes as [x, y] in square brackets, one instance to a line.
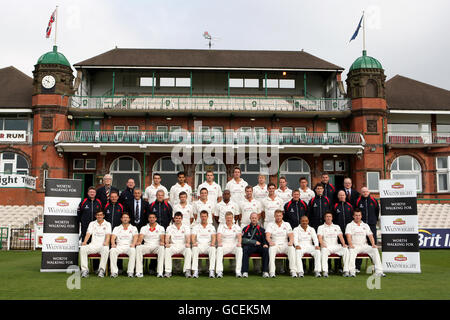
[410, 38]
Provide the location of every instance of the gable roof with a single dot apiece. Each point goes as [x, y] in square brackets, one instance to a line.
[403, 93]
[16, 88]
[208, 59]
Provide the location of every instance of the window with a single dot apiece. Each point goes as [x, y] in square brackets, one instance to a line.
[332, 126]
[271, 83]
[78, 164]
[133, 128]
[183, 82]
[299, 130]
[215, 165]
[13, 163]
[91, 164]
[251, 168]
[251, 83]
[373, 179]
[443, 174]
[124, 168]
[167, 82]
[406, 167]
[287, 84]
[119, 128]
[293, 169]
[45, 177]
[88, 125]
[168, 170]
[236, 83]
[146, 82]
[14, 124]
[339, 165]
[328, 165]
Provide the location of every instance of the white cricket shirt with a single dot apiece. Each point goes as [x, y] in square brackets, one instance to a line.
[98, 232]
[152, 236]
[203, 233]
[178, 236]
[125, 237]
[329, 233]
[222, 208]
[150, 192]
[229, 235]
[279, 233]
[306, 237]
[359, 233]
[237, 189]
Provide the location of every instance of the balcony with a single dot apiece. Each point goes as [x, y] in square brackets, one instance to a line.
[145, 141]
[415, 140]
[300, 106]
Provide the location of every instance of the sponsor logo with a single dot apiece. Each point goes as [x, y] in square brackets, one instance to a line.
[399, 222]
[400, 257]
[60, 239]
[398, 185]
[62, 203]
[434, 238]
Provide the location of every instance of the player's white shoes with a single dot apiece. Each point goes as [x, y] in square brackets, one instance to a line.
[114, 275]
[352, 274]
[160, 275]
[219, 274]
[317, 274]
[101, 273]
[245, 275]
[139, 275]
[272, 275]
[195, 275]
[325, 274]
[238, 275]
[85, 274]
[130, 275]
[187, 274]
[211, 274]
[293, 274]
[300, 275]
[168, 275]
[346, 274]
[265, 275]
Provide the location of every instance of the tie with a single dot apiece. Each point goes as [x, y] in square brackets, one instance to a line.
[107, 193]
[348, 194]
[137, 212]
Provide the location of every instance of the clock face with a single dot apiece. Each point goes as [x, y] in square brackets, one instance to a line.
[48, 82]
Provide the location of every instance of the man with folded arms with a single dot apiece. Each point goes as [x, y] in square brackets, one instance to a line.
[306, 241]
[328, 233]
[229, 240]
[203, 236]
[280, 237]
[178, 239]
[123, 241]
[153, 236]
[357, 233]
[100, 230]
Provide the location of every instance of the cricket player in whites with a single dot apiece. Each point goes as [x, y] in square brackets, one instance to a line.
[100, 230]
[229, 240]
[123, 240]
[277, 234]
[357, 233]
[153, 236]
[203, 236]
[306, 241]
[178, 239]
[328, 233]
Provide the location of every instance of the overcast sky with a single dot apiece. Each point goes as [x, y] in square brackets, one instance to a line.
[408, 37]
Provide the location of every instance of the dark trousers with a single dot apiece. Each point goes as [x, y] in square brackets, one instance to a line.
[373, 228]
[249, 250]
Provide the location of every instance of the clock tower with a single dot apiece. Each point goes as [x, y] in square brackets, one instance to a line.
[52, 86]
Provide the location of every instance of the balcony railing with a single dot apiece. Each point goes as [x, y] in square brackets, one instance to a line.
[196, 103]
[412, 138]
[228, 138]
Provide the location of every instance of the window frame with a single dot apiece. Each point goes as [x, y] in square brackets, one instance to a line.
[440, 171]
[367, 181]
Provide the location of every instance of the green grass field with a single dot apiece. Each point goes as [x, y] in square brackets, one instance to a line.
[21, 279]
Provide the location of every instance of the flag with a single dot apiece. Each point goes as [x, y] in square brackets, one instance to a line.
[50, 23]
[357, 28]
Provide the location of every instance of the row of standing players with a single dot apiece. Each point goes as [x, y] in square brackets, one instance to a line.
[238, 198]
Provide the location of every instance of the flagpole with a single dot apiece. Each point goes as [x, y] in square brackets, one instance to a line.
[364, 32]
[56, 23]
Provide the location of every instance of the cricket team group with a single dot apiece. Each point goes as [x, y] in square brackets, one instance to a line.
[239, 222]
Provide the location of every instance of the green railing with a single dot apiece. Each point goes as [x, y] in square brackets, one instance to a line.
[4, 235]
[212, 103]
[433, 137]
[233, 137]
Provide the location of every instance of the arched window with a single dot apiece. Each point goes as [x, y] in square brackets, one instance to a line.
[293, 169]
[13, 163]
[124, 168]
[214, 164]
[407, 167]
[168, 170]
[251, 168]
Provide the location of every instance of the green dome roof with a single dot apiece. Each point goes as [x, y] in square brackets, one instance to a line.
[53, 57]
[366, 62]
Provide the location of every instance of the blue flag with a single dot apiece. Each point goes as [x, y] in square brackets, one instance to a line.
[357, 29]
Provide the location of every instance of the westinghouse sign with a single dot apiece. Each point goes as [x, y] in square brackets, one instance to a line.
[13, 136]
[17, 181]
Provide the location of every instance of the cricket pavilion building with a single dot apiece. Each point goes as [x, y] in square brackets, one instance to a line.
[124, 111]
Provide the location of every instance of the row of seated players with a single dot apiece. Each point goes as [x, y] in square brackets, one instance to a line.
[230, 238]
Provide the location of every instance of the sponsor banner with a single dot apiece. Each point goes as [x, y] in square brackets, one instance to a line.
[13, 136]
[61, 224]
[60, 242]
[17, 181]
[434, 238]
[61, 206]
[404, 262]
[58, 261]
[396, 206]
[399, 224]
[400, 242]
[61, 238]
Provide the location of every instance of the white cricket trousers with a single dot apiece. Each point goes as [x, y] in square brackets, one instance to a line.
[340, 251]
[203, 249]
[278, 249]
[221, 251]
[146, 249]
[313, 252]
[91, 249]
[114, 253]
[373, 254]
[177, 249]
